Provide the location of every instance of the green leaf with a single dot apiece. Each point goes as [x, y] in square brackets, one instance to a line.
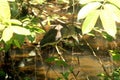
[35, 2]
[87, 1]
[2, 27]
[90, 21]
[65, 75]
[35, 29]
[2, 73]
[107, 36]
[1, 48]
[15, 21]
[51, 59]
[88, 9]
[20, 30]
[115, 2]
[114, 11]
[11, 0]
[108, 22]
[7, 45]
[7, 34]
[31, 38]
[16, 42]
[4, 11]
[61, 62]
[116, 57]
[19, 38]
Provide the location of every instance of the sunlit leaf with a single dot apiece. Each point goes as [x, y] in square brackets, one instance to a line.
[87, 9]
[87, 1]
[114, 11]
[115, 2]
[90, 21]
[63, 1]
[108, 22]
[35, 2]
[2, 27]
[20, 30]
[11, 0]
[4, 11]
[7, 34]
[15, 21]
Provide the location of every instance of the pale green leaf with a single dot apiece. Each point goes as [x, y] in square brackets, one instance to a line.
[20, 30]
[108, 22]
[90, 21]
[2, 27]
[87, 1]
[15, 21]
[114, 11]
[115, 2]
[35, 2]
[7, 34]
[11, 0]
[87, 9]
[4, 11]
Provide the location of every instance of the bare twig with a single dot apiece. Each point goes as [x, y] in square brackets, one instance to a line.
[59, 53]
[99, 60]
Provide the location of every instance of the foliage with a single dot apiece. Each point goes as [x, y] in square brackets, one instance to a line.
[105, 10]
[115, 54]
[14, 31]
[115, 75]
[57, 61]
[21, 19]
[2, 74]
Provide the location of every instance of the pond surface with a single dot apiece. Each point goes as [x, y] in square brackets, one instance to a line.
[28, 62]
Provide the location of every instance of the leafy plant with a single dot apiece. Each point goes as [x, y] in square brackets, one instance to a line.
[115, 75]
[57, 61]
[115, 54]
[14, 31]
[7, 27]
[105, 10]
[2, 73]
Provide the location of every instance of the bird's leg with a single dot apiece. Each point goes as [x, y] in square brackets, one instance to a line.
[59, 53]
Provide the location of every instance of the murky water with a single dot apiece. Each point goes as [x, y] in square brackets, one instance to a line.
[85, 65]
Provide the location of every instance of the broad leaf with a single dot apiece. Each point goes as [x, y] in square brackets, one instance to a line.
[115, 54]
[15, 21]
[4, 11]
[116, 57]
[87, 1]
[11, 0]
[115, 2]
[108, 22]
[20, 30]
[90, 21]
[16, 43]
[35, 2]
[19, 38]
[7, 34]
[2, 27]
[114, 11]
[87, 9]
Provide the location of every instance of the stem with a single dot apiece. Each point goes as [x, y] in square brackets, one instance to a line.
[59, 53]
[99, 60]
